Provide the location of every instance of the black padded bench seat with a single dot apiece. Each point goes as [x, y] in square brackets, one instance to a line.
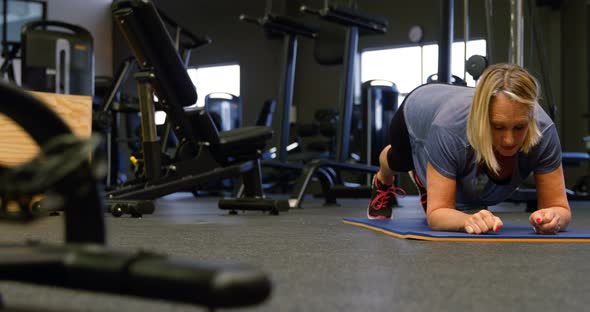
[236, 142]
[255, 137]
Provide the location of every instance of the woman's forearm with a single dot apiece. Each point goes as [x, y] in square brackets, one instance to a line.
[446, 219]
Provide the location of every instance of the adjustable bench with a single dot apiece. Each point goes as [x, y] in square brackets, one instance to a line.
[203, 153]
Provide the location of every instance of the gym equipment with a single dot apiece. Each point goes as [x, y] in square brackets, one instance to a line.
[445, 43]
[20, 12]
[289, 30]
[465, 35]
[203, 154]
[106, 118]
[318, 138]
[108, 113]
[265, 115]
[475, 66]
[516, 33]
[489, 11]
[225, 109]
[57, 57]
[417, 228]
[84, 262]
[455, 80]
[184, 41]
[329, 171]
[379, 104]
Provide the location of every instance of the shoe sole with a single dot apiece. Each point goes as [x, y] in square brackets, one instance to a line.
[378, 217]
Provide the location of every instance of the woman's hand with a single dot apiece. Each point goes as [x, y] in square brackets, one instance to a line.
[554, 212]
[546, 221]
[482, 222]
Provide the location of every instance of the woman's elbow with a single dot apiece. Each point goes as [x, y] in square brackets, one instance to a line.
[431, 220]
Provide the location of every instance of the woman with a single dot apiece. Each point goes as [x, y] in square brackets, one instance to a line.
[471, 148]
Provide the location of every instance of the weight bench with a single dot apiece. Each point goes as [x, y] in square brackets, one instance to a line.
[203, 154]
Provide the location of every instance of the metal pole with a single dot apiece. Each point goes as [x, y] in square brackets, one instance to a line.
[489, 31]
[516, 33]
[465, 35]
[346, 95]
[149, 135]
[286, 93]
[446, 41]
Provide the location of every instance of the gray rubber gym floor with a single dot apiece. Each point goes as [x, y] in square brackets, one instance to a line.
[317, 263]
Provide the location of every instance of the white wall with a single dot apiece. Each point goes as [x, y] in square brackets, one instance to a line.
[95, 16]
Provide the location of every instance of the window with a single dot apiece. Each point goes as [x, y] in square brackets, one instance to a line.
[218, 78]
[409, 67]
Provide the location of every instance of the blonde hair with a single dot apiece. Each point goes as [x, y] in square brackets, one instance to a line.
[517, 85]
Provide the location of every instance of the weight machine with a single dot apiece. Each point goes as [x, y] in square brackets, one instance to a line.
[329, 171]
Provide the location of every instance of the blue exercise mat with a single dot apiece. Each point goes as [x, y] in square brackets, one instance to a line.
[417, 228]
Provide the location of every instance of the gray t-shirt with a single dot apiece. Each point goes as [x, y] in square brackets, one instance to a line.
[436, 116]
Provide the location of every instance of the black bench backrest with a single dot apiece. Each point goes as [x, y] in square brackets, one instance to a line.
[153, 47]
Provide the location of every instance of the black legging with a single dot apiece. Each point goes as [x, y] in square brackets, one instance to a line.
[399, 157]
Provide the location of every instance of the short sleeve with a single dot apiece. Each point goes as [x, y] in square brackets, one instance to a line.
[547, 152]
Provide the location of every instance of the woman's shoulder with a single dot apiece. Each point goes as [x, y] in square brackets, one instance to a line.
[544, 121]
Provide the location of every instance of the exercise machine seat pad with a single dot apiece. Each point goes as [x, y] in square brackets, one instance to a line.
[244, 140]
